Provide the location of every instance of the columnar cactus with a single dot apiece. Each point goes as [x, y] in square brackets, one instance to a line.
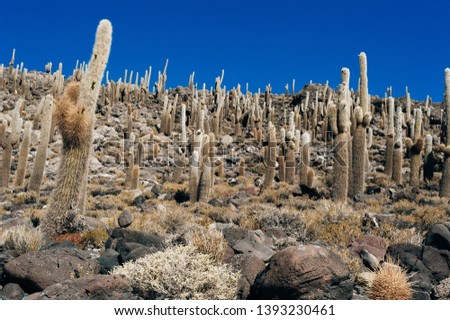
[364, 88]
[23, 156]
[204, 188]
[359, 151]
[37, 116]
[212, 152]
[140, 153]
[6, 164]
[3, 126]
[135, 177]
[429, 160]
[16, 122]
[281, 169]
[397, 162]
[415, 147]
[130, 163]
[340, 147]
[183, 125]
[390, 138]
[41, 153]
[345, 79]
[409, 120]
[194, 177]
[445, 181]
[75, 117]
[221, 169]
[241, 167]
[270, 160]
[306, 157]
[290, 163]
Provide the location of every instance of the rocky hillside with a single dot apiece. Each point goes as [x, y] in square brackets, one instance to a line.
[242, 182]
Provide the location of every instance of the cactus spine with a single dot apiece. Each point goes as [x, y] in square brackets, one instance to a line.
[75, 117]
[445, 181]
[23, 156]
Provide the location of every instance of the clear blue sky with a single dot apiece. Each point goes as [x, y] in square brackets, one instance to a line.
[259, 42]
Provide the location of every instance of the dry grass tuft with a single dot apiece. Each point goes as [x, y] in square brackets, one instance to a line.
[96, 238]
[22, 239]
[333, 223]
[352, 262]
[209, 241]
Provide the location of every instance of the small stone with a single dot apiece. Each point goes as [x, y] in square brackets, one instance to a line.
[157, 189]
[161, 208]
[125, 219]
[12, 291]
[215, 202]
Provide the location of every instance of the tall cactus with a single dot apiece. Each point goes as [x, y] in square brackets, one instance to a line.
[75, 117]
[397, 161]
[194, 177]
[41, 153]
[6, 164]
[270, 160]
[364, 88]
[390, 138]
[429, 160]
[415, 147]
[290, 163]
[23, 156]
[204, 187]
[306, 158]
[359, 151]
[340, 147]
[445, 180]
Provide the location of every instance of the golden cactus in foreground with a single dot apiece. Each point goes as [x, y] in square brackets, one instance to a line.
[390, 283]
[75, 117]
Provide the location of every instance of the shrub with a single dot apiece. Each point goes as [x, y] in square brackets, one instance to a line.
[390, 283]
[23, 239]
[180, 272]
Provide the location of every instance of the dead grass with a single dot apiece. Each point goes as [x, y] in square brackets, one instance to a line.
[209, 241]
[277, 194]
[22, 239]
[170, 187]
[94, 238]
[394, 235]
[224, 191]
[352, 262]
[333, 223]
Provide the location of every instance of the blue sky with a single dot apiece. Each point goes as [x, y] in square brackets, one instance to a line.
[259, 42]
